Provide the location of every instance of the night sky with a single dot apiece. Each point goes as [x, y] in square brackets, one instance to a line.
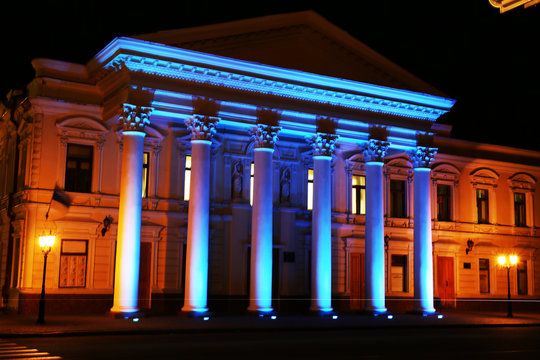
[487, 61]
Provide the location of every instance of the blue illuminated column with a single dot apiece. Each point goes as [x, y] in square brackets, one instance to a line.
[374, 154]
[260, 300]
[321, 238]
[126, 284]
[196, 282]
[423, 258]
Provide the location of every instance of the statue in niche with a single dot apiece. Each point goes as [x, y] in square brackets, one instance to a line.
[237, 178]
[285, 186]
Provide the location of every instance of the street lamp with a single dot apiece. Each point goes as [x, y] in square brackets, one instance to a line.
[508, 262]
[46, 243]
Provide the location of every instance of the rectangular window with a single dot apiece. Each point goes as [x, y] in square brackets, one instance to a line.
[146, 162]
[187, 177]
[251, 183]
[443, 202]
[358, 195]
[399, 273]
[398, 200]
[519, 209]
[482, 205]
[79, 168]
[310, 190]
[73, 259]
[483, 269]
[522, 278]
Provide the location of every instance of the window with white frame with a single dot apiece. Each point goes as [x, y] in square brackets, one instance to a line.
[522, 186]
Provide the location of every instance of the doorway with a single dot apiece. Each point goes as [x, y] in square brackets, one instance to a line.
[145, 276]
[445, 281]
[357, 281]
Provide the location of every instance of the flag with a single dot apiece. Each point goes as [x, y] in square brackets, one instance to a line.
[60, 203]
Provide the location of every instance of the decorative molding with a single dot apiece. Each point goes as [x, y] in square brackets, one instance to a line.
[323, 144]
[399, 166]
[81, 127]
[522, 181]
[375, 150]
[134, 118]
[264, 136]
[421, 157]
[207, 76]
[484, 176]
[202, 127]
[445, 172]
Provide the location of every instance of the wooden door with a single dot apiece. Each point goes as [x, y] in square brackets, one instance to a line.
[445, 280]
[357, 280]
[145, 275]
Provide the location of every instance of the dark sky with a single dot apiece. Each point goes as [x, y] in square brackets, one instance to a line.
[489, 62]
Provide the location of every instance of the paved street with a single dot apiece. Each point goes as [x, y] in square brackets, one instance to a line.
[457, 335]
[381, 343]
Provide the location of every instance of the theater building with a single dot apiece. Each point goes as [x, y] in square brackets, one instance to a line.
[270, 164]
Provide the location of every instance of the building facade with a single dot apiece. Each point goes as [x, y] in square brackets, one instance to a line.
[272, 164]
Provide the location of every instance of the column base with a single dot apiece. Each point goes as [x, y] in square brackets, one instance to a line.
[126, 315]
[320, 309]
[261, 312]
[194, 314]
[375, 311]
[193, 311]
[326, 313]
[426, 313]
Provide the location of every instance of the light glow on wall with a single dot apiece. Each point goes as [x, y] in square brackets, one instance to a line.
[358, 195]
[187, 178]
[310, 190]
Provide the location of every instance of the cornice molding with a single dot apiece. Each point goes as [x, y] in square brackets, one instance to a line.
[211, 70]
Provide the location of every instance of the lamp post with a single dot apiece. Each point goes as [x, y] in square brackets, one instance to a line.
[508, 262]
[46, 243]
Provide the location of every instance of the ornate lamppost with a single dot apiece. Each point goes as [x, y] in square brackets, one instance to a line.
[508, 262]
[46, 243]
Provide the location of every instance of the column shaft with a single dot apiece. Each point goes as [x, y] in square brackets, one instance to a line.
[261, 233]
[126, 284]
[198, 228]
[423, 258]
[321, 240]
[374, 245]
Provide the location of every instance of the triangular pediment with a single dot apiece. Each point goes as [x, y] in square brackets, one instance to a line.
[302, 41]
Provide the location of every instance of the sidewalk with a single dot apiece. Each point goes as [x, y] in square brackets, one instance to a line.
[12, 325]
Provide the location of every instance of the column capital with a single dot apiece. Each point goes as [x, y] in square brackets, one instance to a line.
[202, 127]
[265, 136]
[375, 150]
[323, 144]
[134, 117]
[422, 156]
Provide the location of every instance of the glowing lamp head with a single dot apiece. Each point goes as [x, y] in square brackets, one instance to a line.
[513, 259]
[502, 260]
[46, 242]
